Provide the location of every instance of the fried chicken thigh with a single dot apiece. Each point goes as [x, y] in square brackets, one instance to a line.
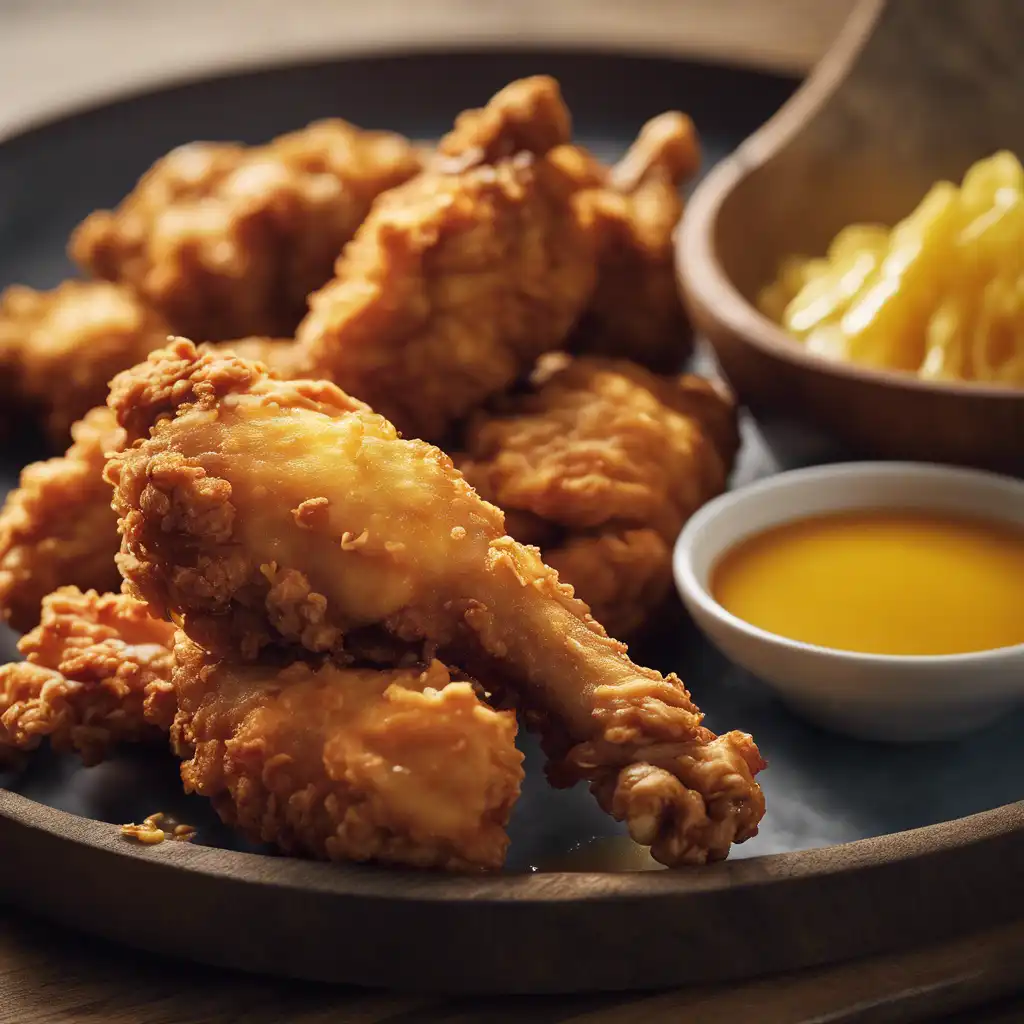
[400, 766]
[608, 460]
[254, 511]
[59, 349]
[636, 312]
[461, 278]
[97, 672]
[57, 528]
[227, 240]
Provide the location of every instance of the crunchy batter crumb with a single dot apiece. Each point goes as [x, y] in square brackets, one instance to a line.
[158, 827]
[311, 513]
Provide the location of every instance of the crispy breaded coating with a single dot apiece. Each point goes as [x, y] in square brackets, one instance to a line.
[459, 279]
[636, 311]
[399, 766]
[57, 528]
[599, 442]
[528, 115]
[59, 349]
[624, 577]
[255, 510]
[228, 240]
[97, 672]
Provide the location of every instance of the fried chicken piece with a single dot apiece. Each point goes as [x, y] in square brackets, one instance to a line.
[624, 577]
[228, 240]
[57, 528]
[636, 312]
[527, 115]
[399, 766]
[601, 442]
[612, 460]
[59, 349]
[254, 509]
[97, 673]
[461, 278]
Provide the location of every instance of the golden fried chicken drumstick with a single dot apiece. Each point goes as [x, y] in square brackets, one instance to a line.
[97, 672]
[400, 766]
[227, 240]
[608, 460]
[459, 279]
[254, 509]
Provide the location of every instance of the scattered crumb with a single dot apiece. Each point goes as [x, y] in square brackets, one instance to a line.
[156, 828]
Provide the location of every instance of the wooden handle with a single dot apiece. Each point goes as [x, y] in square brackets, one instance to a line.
[941, 82]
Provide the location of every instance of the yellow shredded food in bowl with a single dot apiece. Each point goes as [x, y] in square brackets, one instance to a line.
[941, 294]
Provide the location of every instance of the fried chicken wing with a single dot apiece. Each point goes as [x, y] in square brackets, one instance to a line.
[611, 460]
[636, 312]
[461, 278]
[59, 349]
[227, 240]
[97, 672]
[399, 766]
[254, 510]
[57, 528]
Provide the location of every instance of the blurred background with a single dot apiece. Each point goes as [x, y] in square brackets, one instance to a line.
[56, 54]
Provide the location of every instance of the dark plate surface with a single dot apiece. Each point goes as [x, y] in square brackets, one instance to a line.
[822, 790]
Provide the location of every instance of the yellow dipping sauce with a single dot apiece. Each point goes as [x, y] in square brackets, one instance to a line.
[881, 582]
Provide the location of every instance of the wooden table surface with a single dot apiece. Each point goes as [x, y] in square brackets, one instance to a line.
[57, 55]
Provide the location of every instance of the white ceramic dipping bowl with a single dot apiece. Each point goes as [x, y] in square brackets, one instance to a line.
[880, 697]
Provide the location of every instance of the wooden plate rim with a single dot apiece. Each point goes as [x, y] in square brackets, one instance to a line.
[976, 830]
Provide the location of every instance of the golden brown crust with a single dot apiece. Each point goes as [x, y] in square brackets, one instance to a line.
[624, 577]
[97, 673]
[399, 766]
[602, 443]
[636, 312]
[227, 240]
[59, 349]
[528, 115]
[456, 282]
[57, 528]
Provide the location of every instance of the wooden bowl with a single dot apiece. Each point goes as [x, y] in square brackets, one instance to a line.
[861, 141]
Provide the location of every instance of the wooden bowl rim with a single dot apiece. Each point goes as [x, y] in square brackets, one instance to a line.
[703, 280]
[555, 887]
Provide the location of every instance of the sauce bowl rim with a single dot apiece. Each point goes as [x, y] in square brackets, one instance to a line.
[693, 589]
